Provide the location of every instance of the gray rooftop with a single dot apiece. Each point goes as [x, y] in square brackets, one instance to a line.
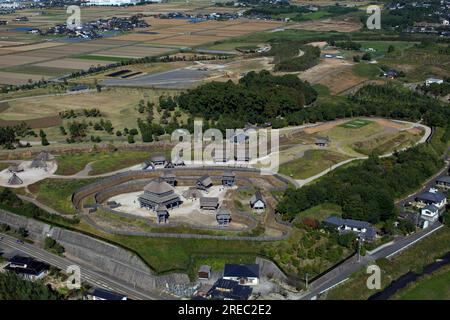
[158, 186]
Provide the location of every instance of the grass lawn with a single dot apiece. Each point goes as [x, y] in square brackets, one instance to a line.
[366, 70]
[355, 124]
[321, 211]
[386, 143]
[432, 287]
[4, 165]
[57, 193]
[72, 163]
[101, 58]
[412, 259]
[313, 162]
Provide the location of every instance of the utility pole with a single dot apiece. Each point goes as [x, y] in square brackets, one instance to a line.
[359, 249]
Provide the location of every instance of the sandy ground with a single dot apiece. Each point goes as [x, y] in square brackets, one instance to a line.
[326, 69]
[28, 176]
[189, 212]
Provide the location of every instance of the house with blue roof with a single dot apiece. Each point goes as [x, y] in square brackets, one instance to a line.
[224, 289]
[103, 294]
[244, 274]
[432, 197]
[362, 229]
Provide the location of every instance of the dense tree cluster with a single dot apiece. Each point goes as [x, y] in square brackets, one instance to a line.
[14, 287]
[291, 56]
[367, 191]
[257, 98]
[438, 89]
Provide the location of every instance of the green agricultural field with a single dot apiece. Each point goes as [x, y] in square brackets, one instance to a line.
[44, 71]
[355, 124]
[366, 70]
[313, 162]
[432, 287]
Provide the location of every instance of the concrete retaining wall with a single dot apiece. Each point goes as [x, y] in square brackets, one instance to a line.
[107, 258]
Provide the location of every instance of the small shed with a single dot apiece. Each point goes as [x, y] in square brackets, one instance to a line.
[162, 214]
[204, 183]
[223, 217]
[158, 160]
[228, 179]
[15, 168]
[322, 141]
[169, 177]
[204, 272]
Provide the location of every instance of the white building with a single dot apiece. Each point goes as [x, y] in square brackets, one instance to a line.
[430, 81]
[430, 213]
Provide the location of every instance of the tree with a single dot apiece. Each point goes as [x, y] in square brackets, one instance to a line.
[356, 58]
[43, 136]
[130, 138]
[391, 49]
[367, 56]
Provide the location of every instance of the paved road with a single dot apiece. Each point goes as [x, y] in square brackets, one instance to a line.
[88, 274]
[344, 271]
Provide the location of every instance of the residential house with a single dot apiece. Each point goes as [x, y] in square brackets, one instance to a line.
[362, 229]
[431, 81]
[27, 267]
[430, 213]
[443, 182]
[225, 289]
[103, 294]
[433, 197]
[244, 274]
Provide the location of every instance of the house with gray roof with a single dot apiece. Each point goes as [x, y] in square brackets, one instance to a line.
[443, 182]
[362, 229]
[430, 213]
